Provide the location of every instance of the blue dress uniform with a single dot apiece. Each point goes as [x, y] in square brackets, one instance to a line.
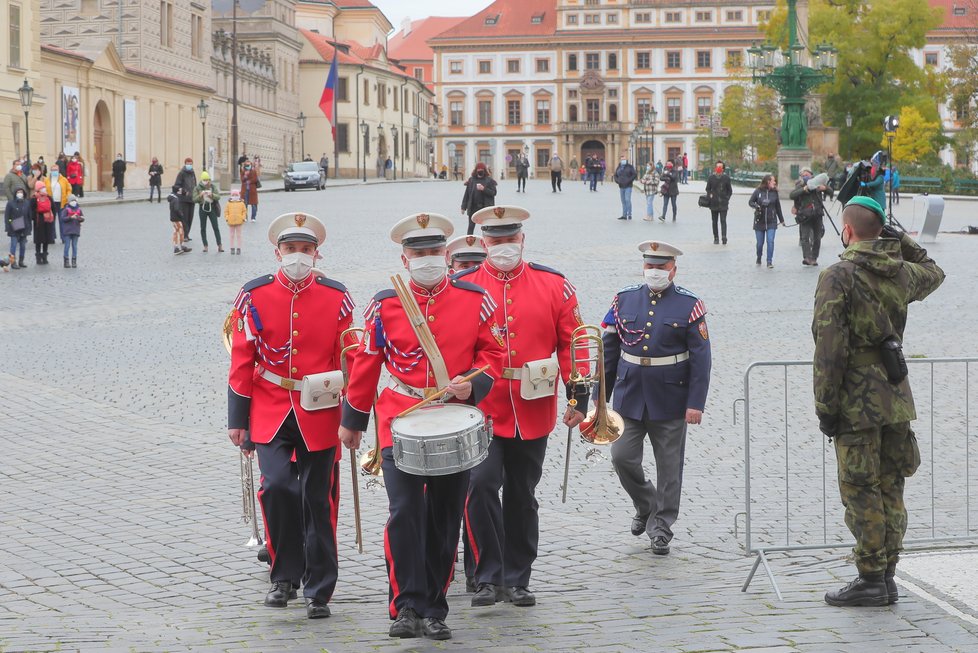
[657, 363]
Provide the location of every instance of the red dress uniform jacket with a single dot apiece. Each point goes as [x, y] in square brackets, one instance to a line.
[460, 316]
[292, 330]
[537, 308]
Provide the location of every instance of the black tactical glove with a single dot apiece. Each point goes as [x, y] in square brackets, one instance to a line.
[890, 231]
[829, 425]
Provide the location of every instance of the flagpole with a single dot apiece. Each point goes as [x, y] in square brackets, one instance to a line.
[332, 127]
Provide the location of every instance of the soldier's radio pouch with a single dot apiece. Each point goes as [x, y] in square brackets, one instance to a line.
[891, 355]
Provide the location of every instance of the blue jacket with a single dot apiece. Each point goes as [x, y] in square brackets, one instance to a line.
[654, 325]
[17, 209]
[70, 224]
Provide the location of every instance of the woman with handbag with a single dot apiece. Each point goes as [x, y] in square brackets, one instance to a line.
[767, 216]
[17, 222]
[718, 191]
[42, 215]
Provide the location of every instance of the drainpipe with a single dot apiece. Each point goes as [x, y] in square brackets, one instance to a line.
[356, 127]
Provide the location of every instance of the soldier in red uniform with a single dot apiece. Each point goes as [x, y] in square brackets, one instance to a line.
[538, 311]
[421, 535]
[466, 252]
[284, 387]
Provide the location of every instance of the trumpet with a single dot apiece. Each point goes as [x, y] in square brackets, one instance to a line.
[249, 513]
[602, 425]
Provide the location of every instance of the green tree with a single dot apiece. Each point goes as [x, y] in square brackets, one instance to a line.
[752, 114]
[876, 74]
[915, 139]
[962, 78]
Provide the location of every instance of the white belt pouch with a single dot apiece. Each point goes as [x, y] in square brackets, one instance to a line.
[320, 391]
[538, 379]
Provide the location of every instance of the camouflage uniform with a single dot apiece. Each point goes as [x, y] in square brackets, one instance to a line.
[859, 302]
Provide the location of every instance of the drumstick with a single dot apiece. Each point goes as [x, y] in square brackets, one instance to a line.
[441, 393]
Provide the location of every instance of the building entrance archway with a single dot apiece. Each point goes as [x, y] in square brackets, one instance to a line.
[99, 163]
[592, 149]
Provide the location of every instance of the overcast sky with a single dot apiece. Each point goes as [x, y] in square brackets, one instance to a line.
[397, 10]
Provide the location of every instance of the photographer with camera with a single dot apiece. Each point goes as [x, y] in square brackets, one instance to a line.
[808, 211]
[872, 183]
[862, 396]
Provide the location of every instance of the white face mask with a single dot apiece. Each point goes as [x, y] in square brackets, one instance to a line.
[427, 271]
[297, 265]
[657, 280]
[506, 256]
[73, 204]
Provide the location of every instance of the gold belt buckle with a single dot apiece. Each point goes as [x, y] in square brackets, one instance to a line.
[645, 361]
[428, 392]
[288, 384]
[508, 373]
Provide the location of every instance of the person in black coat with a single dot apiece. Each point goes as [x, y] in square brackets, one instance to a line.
[118, 175]
[155, 179]
[18, 225]
[480, 192]
[767, 216]
[719, 190]
[625, 177]
[186, 182]
[669, 190]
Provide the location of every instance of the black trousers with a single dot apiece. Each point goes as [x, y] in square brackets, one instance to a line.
[555, 177]
[421, 537]
[521, 182]
[720, 216]
[300, 519]
[811, 238]
[187, 211]
[157, 189]
[503, 535]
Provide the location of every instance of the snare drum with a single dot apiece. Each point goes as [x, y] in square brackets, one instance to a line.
[441, 439]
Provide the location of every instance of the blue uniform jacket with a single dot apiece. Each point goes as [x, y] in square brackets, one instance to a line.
[648, 324]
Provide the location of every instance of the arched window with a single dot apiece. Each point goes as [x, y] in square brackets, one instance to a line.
[572, 113]
[613, 112]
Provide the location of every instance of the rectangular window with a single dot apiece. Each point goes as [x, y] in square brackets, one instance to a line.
[455, 113]
[612, 19]
[674, 110]
[13, 32]
[455, 67]
[704, 59]
[612, 61]
[592, 61]
[643, 17]
[366, 92]
[419, 73]
[572, 19]
[513, 112]
[674, 60]
[543, 65]
[930, 58]
[704, 107]
[763, 15]
[735, 59]
[543, 157]
[485, 113]
[612, 92]
[674, 17]
[512, 65]
[342, 89]
[196, 34]
[342, 137]
[572, 62]
[395, 95]
[643, 60]
[736, 16]
[543, 112]
[485, 67]
[704, 16]
[593, 108]
[382, 95]
[592, 19]
[166, 24]
[572, 94]
[643, 108]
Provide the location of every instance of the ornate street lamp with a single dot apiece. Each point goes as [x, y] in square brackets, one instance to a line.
[365, 131]
[849, 135]
[301, 121]
[202, 112]
[26, 93]
[394, 139]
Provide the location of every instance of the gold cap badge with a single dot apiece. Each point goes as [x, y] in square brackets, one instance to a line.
[423, 220]
[499, 212]
[470, 240]
[299, 219]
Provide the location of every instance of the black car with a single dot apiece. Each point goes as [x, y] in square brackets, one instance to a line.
[304, 174]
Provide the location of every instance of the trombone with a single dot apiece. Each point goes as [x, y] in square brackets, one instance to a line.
[602, 425]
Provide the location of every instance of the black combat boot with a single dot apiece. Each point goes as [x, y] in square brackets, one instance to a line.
[74, 262]
[864, 591]
[20, 262]
[66, 263]
[892, 593]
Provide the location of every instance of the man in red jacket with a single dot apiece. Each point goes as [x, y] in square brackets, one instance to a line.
[538, 311]
[421, 535]
[284, 386]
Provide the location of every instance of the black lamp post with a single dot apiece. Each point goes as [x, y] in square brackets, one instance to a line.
[890, 126]
[26, 93]
[301, 121]
[202, 112]
[365, 130]
[394, 140]
[849, 135]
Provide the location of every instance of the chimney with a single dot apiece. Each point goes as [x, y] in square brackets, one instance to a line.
[406, 25]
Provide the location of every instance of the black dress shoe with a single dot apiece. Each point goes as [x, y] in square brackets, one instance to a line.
[316, 609]
[864, 591]
[406, 625]
[660, 545]
[638, 524]
[469, 584]
[622, 218]
[522, 597]
[435, 628]
[488, 594]
[279, 595]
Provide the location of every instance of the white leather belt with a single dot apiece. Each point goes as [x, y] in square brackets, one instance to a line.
[511, 373]
[646, 361]
[280, 381]
[409, 390]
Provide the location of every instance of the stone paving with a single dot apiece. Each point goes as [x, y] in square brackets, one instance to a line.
[121, 505]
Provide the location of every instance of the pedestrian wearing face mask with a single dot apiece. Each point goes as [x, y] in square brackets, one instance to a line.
[657, 364]
[719, 190]
[177, 219]
[76, 174]
[286, 342]
[522, 170]
[537, 310]
[422, 530]
[208, 196]
[669, 190]
[14, 180]
[186, 182]
[625, 177]
[58, 188]
[480, 192]
[119, 175]
[155, 179]
[18, 225]
[767, 216]
[250, 183]
[44, 214]
[71, 218]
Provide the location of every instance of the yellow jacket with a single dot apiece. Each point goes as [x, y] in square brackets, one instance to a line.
[65, 189]
[235, 212]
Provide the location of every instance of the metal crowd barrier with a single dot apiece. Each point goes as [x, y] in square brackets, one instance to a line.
[790, 504]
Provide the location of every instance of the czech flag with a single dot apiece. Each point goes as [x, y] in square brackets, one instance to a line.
[326, 104]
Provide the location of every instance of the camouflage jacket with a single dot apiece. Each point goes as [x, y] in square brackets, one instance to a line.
[859, 302]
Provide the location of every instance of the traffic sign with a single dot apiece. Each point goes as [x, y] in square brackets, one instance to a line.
[722, 132]
[705, 121]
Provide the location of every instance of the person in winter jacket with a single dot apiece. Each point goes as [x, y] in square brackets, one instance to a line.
[155, 179]
[669, 190]
[235, 214]
[44, 216]
[767, 216]
[76, 174]
[15, 180]
[250, 182]
[186, 181]
[18, 225]
[480, 192]
[625, 176]
[177, 219]
[719, 190]
[119, 175]
[522, 165]
[71, 217]
[206, 194]
[809, 214]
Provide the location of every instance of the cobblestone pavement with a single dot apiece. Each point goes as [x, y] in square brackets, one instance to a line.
[121, 506]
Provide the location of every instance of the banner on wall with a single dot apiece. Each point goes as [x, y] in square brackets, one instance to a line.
[129, 126]
[70, 107]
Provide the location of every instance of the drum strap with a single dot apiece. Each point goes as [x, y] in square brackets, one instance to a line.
[425, 338]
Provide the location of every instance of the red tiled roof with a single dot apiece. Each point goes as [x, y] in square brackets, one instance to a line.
[327, 50]
[359, 55]
[953, 22]
[414, 45]
[511, 18]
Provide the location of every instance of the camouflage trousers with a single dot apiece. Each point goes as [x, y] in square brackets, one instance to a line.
[873, 464]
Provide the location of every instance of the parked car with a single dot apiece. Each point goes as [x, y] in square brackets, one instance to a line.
[304, 174]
